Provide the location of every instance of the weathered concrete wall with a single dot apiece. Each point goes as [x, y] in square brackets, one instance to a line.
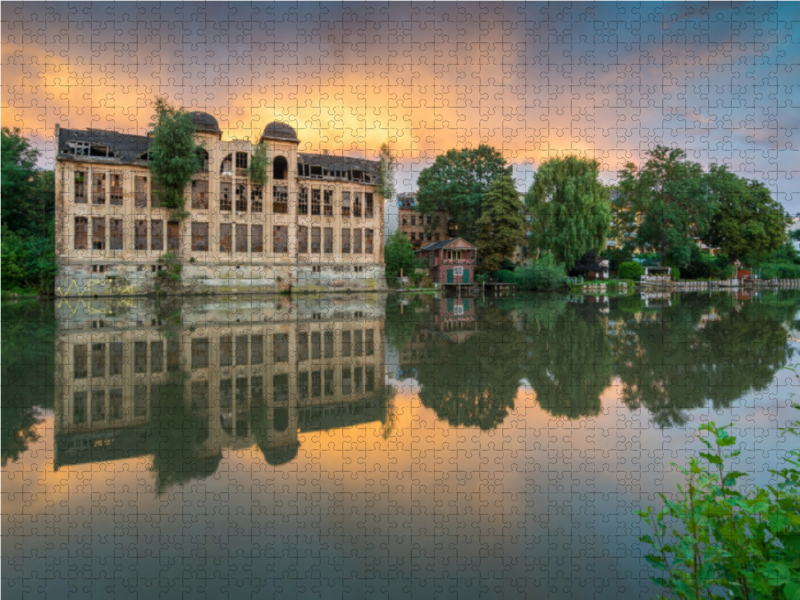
[85, 280]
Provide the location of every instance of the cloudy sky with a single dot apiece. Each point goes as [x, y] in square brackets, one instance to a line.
[535, 80]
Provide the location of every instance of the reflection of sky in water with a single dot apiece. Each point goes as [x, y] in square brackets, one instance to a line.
[409, 506]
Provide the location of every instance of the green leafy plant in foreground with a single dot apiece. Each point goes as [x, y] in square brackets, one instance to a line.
[716, 542]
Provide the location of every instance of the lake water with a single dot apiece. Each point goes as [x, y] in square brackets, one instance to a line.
[369, 446]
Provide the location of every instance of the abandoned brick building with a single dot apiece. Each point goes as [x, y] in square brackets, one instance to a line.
[420, 228]
[316, 225]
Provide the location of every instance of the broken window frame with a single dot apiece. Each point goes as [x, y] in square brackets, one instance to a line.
[116, 234]
[369, 205]
[256, 239]
[280, 200]
[280, 239]
[79, 181]
[225, 237]
[98, 233]
[157, 235]
[225, 200]
[316, 241]
[346, 205]
[241, 198]
[115, 193]
[81, 236]
[200, 242]
[240, 238]
[140, 235]
[302, 201]
[256, 198]
[302, 239]
[200, 194]
[316, 202]
[328, 203]
[140, 192]
[98, 188]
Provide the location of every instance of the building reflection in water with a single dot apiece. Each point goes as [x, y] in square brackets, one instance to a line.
[185, 382]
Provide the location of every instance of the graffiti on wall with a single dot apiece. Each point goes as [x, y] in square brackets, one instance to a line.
[118, 287]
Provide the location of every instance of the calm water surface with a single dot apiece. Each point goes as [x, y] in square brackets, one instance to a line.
[368, 446]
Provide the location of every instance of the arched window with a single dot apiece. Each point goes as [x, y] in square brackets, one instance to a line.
[227, 165]
[280, 168]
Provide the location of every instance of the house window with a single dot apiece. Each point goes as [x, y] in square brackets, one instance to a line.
[356, 241]
[368, 206]
[315, 240]
[369, 245]
[116, 234]
[329, 240]
[225, 202]
[328, 203]
[315, 202]
[140, 192]
[280, 200]
[140, 235]
[156, 235]
[80, 187]
[173, 236]
[458, 271]
[116, 190]
[256, 239]
[257, 199]
[280, 347]
[405, 221]
[241, 196]
[241, 164]
[302, 240]
[98, 233]
[345, 204]
[225, 234]
[435, 237]
[241, 238]
[345, 240]
[200, 237]
[414, 221]
[280, 239]
[200, 194]
[98, 188]
[302, 201]
[357, 205]
[81, 233]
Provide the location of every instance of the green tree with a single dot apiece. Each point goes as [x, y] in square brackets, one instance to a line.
[388, 163]
[570, 208]
[18, 173]
[671, 197]
[258, 165]
[747, 218]
[399, 255]
[174, 155]
[501, 227]
[456, 182]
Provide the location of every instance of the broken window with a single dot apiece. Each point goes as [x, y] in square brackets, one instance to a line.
[257, 199]
[116, 190]
[328, 203]
[346, 240]
[98, 233]
[173, 236]
[241, 164]
[200, 237]
[81, 233]
[280, 239]
[280, 347]
[116, 234]
[140, 192]
[226, 168]
[241, 197]
[80, 187]
[200, 194]
[345, 204]
[315, 171]
[368, 206]
[241, 238]
[98, 188]
[315, 202]
[157, 235]
[329, 240]
[369, 245]
[257, 239]
[225, 233]
[280, 200]
[204, 162]
[357, 205]
[225, 196]
[302, 240]
[356, 241]
[140, 235]
[90, 149]
[302, 201]
[315, 240]
[280, 168]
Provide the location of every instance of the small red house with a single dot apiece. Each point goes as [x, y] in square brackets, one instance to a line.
[451, 261]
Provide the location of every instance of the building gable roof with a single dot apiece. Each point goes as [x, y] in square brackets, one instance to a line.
[126, 148]
[451, 244]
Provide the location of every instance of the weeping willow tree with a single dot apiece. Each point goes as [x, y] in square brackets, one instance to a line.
[570, 208]
[175, 156]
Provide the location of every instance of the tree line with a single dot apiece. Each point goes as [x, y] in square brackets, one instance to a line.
[667, 206]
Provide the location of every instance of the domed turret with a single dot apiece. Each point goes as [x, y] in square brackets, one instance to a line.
[205, 123]
[280, 132]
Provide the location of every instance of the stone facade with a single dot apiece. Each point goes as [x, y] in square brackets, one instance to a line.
[317, 225]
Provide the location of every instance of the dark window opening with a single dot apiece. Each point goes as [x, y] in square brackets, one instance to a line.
[280, 168]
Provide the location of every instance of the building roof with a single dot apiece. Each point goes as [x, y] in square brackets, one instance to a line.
[121, 147]
[205, 123]
[280, 132]
[340, 163]
[440, 245]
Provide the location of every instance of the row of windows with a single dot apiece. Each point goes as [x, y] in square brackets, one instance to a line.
[313, 201]
[233, 350]
[422, 237]
[97, 406]
[232, 237]
[421, 220]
